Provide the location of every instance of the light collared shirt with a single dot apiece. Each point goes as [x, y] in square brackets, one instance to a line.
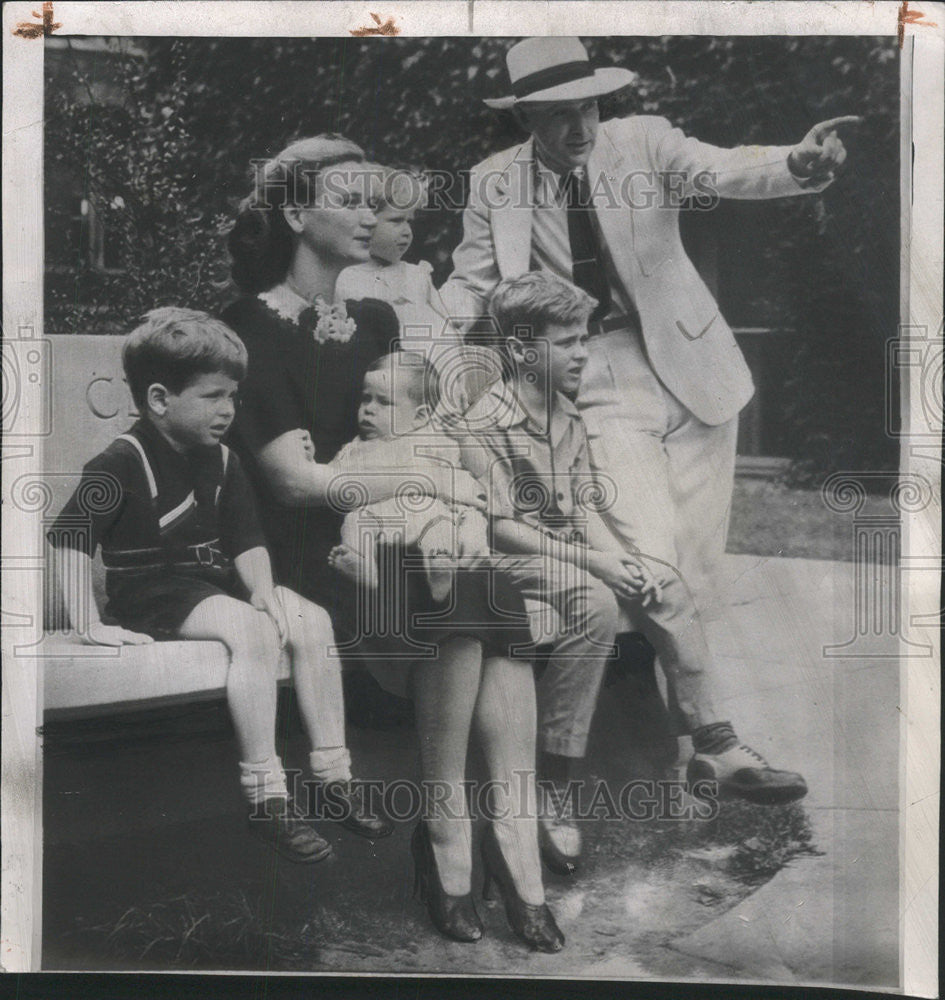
[551, 245]
[534, 467]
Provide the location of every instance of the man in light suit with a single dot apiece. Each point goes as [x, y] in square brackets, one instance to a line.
[666, 379]
[598, 204]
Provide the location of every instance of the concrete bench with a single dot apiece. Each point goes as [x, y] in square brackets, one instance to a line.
[91, 405]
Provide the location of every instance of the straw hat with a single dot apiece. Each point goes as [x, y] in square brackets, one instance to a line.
[556, 69]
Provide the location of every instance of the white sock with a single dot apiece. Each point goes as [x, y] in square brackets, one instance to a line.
[263, 780]
[330, 764]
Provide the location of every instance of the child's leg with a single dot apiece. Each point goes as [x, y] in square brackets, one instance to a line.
[250, 686]
[317, 680]
[354, 557]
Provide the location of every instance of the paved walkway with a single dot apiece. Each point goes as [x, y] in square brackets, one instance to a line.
[831, 714]
[831, 918]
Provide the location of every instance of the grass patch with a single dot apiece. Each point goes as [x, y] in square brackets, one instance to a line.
[763, 839]
[772, 519]
[209, 930]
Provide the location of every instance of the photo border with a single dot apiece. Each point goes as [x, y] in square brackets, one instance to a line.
[923, 87]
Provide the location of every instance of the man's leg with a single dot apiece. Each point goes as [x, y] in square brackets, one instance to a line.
[700, 464]
[672, 479]
[624, 407]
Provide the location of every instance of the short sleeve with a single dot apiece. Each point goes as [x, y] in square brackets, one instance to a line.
[346, 457]
[105, 489]
[491, 470]
[239, 523]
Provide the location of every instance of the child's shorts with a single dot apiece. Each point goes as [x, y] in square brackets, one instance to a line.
[160, 605]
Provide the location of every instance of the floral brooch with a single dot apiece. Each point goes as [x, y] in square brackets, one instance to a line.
[327, 322]
[324, 320]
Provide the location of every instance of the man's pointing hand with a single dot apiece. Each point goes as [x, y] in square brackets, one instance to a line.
[818, 156]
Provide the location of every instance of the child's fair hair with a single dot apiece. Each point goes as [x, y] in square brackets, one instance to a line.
[422, 385]
[524, 307]
[173, 346]
[400, 189]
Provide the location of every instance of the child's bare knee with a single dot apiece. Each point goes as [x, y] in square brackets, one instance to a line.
[253, 636]
[304, 616]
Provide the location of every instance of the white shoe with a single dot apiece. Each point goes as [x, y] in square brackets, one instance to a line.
[559, 839]
[744, 773]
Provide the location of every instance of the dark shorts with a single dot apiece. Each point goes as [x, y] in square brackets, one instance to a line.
[160, 605]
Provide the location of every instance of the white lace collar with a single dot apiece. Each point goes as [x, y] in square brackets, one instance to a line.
[284, 302]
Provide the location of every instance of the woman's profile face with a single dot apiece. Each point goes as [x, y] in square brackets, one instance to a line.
[338, 226]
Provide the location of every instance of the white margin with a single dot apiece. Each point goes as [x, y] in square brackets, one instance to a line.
[922, 262]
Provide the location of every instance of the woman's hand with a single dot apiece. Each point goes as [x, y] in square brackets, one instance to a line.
[269, 604]
[99, 634]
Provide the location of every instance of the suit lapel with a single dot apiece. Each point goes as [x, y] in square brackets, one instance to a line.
[512, 221]
[606, 168]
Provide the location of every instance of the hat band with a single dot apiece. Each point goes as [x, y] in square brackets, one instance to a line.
[551, 76]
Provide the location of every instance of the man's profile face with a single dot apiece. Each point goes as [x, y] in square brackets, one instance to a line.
[564, 131]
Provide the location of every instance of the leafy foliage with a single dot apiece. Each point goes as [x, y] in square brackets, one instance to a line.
[162, 161]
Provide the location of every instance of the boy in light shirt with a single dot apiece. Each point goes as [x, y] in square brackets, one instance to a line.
[527, 445]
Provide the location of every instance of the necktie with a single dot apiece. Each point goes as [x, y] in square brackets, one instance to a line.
[587, 269]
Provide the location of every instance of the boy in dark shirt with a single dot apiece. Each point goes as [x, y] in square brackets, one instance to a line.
[527, 444]
[185, 558]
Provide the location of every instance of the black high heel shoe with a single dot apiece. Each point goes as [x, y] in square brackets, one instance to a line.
[534, 924]
[454, 916]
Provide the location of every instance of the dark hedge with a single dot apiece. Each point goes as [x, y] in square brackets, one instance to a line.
[159, 141]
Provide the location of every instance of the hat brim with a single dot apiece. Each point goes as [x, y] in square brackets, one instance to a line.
[604, 81]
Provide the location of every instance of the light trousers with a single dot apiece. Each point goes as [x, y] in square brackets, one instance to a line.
[671, 476]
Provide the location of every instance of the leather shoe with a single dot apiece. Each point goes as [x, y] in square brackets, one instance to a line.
[743, 773]
[276, 823]
[345, 803]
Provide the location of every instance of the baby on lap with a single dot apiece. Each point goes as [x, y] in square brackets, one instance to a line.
[397, 400]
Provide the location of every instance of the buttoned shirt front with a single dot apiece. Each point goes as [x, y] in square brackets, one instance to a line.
[551, 246]
[534, 467]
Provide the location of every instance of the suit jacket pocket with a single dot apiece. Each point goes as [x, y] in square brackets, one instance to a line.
[689, 330]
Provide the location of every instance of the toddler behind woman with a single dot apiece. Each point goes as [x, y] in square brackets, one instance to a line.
[465, 372]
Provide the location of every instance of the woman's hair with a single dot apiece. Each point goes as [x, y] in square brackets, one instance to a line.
[173, 346]
[261, 242]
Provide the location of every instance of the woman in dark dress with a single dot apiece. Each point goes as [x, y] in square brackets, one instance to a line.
[309, 217]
